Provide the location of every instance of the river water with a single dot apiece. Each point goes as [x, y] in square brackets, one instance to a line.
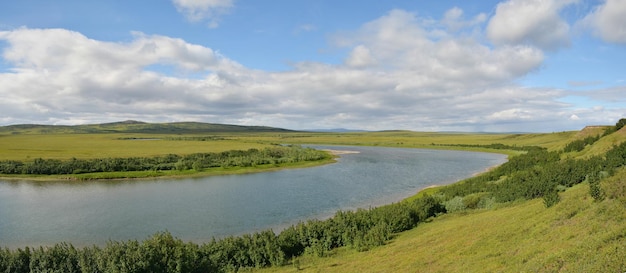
[198, 209]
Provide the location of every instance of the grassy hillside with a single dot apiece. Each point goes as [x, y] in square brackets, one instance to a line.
[576, 235]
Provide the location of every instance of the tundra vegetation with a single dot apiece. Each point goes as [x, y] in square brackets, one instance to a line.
[538, 195]
[197, 161]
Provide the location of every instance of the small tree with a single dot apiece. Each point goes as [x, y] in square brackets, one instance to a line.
[594, 187]
[621, 123]
[551, 198]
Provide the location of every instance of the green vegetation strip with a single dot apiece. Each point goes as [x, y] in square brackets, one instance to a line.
[234, 161]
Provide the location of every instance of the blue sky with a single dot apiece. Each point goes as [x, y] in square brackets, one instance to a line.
[516, 65]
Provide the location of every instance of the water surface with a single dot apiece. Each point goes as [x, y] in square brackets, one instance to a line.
[198, 209]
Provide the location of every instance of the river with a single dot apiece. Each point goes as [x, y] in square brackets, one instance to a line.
[198, 209]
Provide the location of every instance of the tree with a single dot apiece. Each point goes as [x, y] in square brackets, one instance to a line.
[594, 187]
[620, 124]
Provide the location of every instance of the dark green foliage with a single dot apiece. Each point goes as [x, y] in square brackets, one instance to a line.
[620, 124]
[579, 145]
[15, 261]
[497, 146]
[536, 174]
[235, 158]
[551, 198]
[594, 187]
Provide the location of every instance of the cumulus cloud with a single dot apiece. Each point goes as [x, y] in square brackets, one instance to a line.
[607, 21]
[59, 72]
[204, 10]
[360, 57]
[402, 44]
[400, 73]
[533, 22]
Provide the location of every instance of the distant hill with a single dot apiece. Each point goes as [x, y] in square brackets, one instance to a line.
[133, 126]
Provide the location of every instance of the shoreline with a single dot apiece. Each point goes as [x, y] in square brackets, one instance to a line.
[340, 152]
[150, 175]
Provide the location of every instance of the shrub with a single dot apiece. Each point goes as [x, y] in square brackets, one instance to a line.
[455, 204]
[594, 187]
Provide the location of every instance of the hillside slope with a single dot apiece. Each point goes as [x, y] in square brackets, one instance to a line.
[576, 235]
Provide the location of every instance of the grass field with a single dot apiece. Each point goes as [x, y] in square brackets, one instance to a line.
[26, 147]
[66, 146]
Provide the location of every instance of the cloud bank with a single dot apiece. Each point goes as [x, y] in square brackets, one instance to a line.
[400, 73]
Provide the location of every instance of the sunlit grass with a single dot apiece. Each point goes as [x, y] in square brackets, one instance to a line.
[85, 146]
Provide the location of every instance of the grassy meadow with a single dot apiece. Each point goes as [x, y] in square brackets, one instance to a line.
[62, 146]
[84, 146]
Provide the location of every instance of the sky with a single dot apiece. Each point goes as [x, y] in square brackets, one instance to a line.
[472, 66]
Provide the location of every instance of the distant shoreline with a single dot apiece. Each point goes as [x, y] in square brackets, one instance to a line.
[340, 152]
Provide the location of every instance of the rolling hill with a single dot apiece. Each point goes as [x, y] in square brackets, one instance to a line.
[132, 126]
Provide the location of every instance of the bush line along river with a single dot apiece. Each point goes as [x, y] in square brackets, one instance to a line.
[199, 209]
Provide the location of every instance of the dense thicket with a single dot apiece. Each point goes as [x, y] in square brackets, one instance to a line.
[197, 161]
[497, 146]
[162, 252]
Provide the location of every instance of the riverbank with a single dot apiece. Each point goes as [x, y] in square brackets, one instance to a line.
[142, 175]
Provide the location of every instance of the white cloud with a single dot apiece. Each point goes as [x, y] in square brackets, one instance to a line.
[401, 43]
[453, 19]
[81, 76]
[201, 10]
[607, 21]
[398, 75]
[533, 22]
[360, 57]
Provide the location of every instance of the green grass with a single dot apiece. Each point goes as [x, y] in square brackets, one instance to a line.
[28, 145]
[85, 146]
[576, 235]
